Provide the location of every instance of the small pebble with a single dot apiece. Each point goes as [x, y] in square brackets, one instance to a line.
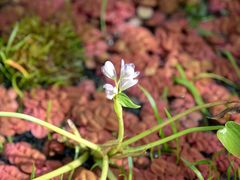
[135, 21]
[144, 12]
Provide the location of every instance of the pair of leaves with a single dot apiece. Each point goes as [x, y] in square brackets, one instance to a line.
[125, 101]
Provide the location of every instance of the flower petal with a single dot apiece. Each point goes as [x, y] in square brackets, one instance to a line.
[127, 71]
[127, 83]
[109, 70]
[110, 91]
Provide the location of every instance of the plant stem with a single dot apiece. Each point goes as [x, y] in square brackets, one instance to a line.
[178, 116]
[105, 165]
[169, 138]
[119, 113]
[68, 167]
[53, 128]
[103, 15]
[111, 175]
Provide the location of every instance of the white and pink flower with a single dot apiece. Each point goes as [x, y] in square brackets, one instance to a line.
[126, 80]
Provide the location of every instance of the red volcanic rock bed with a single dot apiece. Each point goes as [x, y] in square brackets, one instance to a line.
[155, 39]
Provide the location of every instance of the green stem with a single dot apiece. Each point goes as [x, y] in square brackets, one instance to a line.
[119, 113]
[169, 138]
[178, 116]
[103, 15]
[68, 167]
[53, 128]
[105, 166]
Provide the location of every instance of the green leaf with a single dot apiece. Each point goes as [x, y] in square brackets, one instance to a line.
[230, 137]
[125, 101]
[193, 167]
[154, 108]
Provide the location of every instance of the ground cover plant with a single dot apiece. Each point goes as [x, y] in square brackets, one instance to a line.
[170, 73]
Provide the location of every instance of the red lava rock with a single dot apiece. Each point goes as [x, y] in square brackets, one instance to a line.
[94, 43]
[48, 105]
[168, 7]
[116, 12]
[211, 92]
[136, 39]
[165, 169]
[206, 142]
[156, 19]
[47, 166]
[217, 5]
[11, 172]
[82, 173]
[142, 162]
[44, 8]
[155, 46]
[192, 154]
[161, 80]
[97, 122]
[225, 69]
[53, 148]
[9, 15]
[182, 104]
[8, 103]
[95, 117]
[150, 3]
[224, 161]
[81, 93]
[23, 155]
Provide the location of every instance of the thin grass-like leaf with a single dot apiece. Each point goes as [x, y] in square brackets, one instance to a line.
[233, 62]
[155, 111]
[130, 165]
[154, 108]
[193, 168]
[17, 66]
[15, 85]
[174, 129]
[12, 37]
[33, 173]
[191, 87]
[217, 77]
[103, 14]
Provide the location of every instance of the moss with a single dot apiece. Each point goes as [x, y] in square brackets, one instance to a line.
[41, 53]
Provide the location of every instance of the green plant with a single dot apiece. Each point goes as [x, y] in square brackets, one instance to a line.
[190, 86]
[197, 12]
[119, 148]
[40, 53]
[233, 62]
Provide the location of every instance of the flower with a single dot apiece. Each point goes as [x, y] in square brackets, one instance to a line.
[109, 70]
[127, 83]
[110, 91]
[127, 78]
[127, 71]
